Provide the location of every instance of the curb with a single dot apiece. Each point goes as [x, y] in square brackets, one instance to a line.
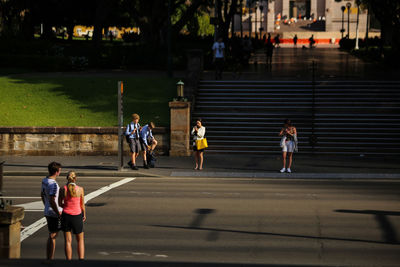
[197, 174]
[362, 176]
[82, 174]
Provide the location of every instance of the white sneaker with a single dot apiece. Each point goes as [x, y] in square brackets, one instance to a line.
[288, 170]
[283, 170]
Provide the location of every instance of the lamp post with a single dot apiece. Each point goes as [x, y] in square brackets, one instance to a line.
[261, 22]
[241, 19]
[342, 29]
[348, 5]
[358, 20]
[180, 90]
[255, 28]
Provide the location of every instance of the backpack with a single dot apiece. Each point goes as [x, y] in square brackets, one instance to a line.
[127, 136]
[151, 159]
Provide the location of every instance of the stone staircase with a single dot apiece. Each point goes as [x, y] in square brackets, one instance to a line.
[350, 117]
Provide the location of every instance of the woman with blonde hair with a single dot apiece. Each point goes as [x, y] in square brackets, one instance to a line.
[71, 198]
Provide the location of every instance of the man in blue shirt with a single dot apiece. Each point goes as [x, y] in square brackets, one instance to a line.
[133, 131]
[147, 141]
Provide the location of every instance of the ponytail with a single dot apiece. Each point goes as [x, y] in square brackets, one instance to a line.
[71, 186]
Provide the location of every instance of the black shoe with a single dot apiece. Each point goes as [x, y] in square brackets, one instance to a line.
[146, 166]
[133, 167]
[130, 163]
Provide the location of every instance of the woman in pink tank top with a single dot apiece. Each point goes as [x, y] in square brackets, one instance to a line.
[71, 198]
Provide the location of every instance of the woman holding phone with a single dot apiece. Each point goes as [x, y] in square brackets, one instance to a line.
[198, 133]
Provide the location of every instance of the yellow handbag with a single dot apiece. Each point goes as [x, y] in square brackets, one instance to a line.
[201, 144]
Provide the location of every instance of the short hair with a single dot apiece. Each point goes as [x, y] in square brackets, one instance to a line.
[152, 125]
[53, 167]
[135, 116]
[288, 122]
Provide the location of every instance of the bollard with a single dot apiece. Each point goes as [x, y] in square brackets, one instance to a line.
[1, 178]
[10, 232]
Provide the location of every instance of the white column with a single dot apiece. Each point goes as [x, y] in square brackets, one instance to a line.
[270, 13]
[314, 9]
[285, 9]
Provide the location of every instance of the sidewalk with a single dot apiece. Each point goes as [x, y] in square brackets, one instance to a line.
[231, 166]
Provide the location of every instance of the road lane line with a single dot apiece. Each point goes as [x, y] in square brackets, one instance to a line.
[7, 197]
[33, 228]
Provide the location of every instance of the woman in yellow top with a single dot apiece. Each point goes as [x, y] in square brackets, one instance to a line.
[198, 133]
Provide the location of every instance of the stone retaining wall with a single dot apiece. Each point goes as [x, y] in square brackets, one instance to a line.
[69, 141]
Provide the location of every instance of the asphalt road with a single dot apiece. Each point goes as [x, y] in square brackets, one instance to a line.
[260, 221]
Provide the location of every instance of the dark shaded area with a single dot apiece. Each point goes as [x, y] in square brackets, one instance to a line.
[272, 234]
[96, 204]
[200, 217]
[98, 263]
[389, 233]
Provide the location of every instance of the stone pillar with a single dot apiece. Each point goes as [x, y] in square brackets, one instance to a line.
[314, 9]
[285, 9]
[10, 232]
[270, 16]
[180, 129]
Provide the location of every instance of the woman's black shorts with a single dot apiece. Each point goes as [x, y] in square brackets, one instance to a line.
[72, 223]
[199, 150]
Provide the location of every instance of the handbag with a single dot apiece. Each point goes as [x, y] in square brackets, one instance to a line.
[201, 144]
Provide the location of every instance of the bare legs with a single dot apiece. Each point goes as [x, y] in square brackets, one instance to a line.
[290, 154]
[199, 160]
[133, 158]
[68, 245]
[51, 246]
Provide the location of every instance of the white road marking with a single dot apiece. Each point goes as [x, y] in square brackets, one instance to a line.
[6, 197]
[33, 228]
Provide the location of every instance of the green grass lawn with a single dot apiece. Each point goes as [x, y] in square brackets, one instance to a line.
[82, 99]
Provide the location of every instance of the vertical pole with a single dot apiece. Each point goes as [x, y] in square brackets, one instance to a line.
[366, 30]
[241, 19]
[348, 22]
[255, 28]
[120, 126]
[358, 20]
[342, 30]
[169, 42]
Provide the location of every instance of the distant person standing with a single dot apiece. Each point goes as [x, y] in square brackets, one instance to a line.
[295, 40]
[277, 41]
[74, 214]
[269, 50]
[52, 211]
[288, 144]
[219, 55]
[312, 41]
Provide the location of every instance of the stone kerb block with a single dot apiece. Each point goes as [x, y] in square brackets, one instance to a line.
[10, 232]
[180, 129]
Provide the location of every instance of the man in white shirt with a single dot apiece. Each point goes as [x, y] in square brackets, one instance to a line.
[219, 55]
[52, 211]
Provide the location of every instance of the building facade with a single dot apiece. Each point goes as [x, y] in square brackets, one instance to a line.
[329, 16]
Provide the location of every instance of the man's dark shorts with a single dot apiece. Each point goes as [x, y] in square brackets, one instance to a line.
[53, 224]
[72, 223]
[143, 144]
[134, 145]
